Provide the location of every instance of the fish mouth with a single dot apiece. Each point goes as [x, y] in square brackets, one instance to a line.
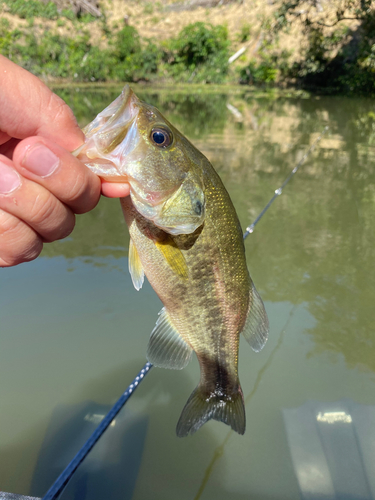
[111, 137]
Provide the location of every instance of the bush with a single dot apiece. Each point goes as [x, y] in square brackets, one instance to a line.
[258, 73]
[133, 62]
[126, 42]
[150, 60]
[199, 53]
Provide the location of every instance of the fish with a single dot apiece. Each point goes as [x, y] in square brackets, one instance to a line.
[185, 237]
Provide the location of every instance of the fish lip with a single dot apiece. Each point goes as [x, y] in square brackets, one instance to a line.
[115, 110]
[115, 124]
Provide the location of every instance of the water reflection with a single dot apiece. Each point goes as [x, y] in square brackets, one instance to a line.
[333, 449]
[74, 329]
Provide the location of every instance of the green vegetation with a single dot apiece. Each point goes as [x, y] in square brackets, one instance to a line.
[244, 33]
[54, 55]
[338, 53]
[32, 8]
[199, 53]
[28, 9]
[257, 73]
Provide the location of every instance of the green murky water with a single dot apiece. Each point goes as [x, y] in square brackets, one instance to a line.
[74, 331]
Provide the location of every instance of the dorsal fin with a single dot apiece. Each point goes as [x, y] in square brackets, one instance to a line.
[173, 256]
[166, 348]
[256, 327]
[135, 267]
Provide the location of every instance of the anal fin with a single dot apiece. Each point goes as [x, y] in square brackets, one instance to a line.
[135, 267]
[256, 327]
[166, 347]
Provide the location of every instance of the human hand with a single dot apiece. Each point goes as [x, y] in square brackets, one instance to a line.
[42, 185]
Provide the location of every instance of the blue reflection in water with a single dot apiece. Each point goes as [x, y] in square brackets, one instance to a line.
[110, 471]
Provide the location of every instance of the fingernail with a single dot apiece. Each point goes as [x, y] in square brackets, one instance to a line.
[9, 179]
[40, 160]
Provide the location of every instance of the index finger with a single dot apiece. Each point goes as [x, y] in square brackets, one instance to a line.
[42, 112]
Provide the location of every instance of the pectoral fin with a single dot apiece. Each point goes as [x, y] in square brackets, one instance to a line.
[166, 348]
[135, 267]
[173, 256]
[256, 327]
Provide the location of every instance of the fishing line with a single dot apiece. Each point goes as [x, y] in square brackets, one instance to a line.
[279, 191]
[62, 481]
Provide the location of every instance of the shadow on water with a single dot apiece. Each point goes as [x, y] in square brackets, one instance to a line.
[110, 470]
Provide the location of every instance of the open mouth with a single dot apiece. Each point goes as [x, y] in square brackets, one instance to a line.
[111, 137]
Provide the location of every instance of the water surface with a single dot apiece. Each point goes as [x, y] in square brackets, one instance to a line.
[74, 331]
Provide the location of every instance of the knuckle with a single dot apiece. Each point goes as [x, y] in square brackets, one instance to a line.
[8, 224]
[62, 231]
[58, 107]
[32, 250]
[43, 209]
[83, 196]
[18, 242]
[79, 187]
[51, 218]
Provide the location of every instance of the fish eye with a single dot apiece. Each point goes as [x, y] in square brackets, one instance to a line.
[161, 137]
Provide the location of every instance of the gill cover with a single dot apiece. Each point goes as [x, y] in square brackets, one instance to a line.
[131, 141]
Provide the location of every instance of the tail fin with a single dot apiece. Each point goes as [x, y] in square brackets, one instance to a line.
[229, 409]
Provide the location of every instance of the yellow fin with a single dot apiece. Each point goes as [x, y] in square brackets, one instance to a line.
[135, 267]
[173, 256]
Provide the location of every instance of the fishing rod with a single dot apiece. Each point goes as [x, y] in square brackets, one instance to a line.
[62, 481]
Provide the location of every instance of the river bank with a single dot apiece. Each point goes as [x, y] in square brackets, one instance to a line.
[322, 49]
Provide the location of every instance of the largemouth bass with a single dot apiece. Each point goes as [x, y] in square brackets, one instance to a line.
[186, 238]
